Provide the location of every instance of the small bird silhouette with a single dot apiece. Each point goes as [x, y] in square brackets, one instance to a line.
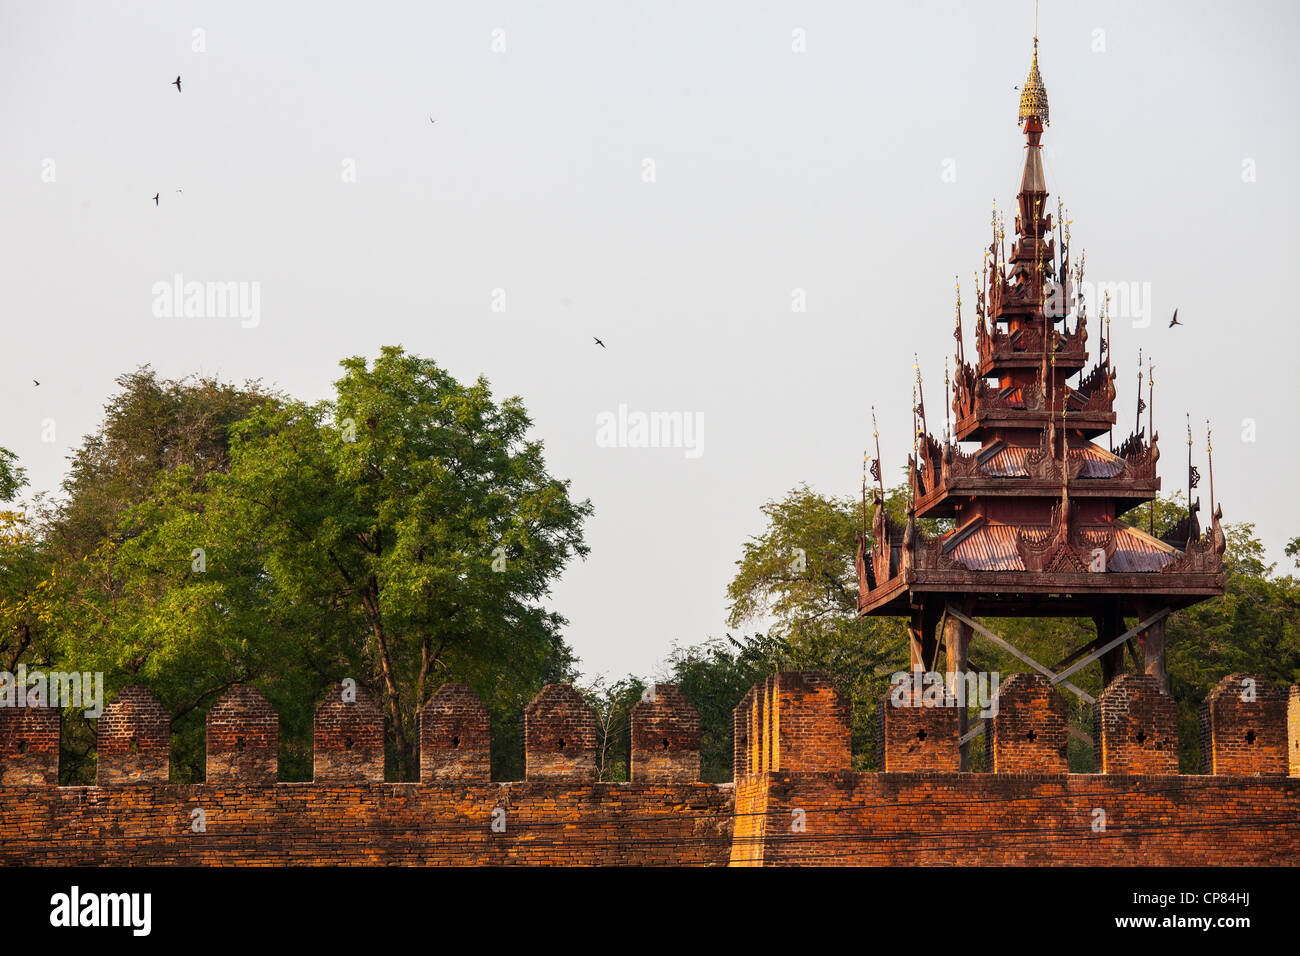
[155, 199]
[177, 83]
[599, 342]
[1174, 321]
[432, 120]
[34, 382]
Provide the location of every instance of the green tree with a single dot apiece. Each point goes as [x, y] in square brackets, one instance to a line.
[24, 571]
[151, 427]
[12, 478]
[403, 533]
[418, 512]
[111, 593]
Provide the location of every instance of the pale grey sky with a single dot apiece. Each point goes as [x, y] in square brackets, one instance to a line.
[775, 170]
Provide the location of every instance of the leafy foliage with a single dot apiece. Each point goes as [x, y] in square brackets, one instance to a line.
[403, 533]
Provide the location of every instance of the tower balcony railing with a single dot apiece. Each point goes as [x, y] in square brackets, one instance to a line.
[1022, 346]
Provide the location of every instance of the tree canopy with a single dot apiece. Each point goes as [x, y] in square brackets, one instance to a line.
[403, 532]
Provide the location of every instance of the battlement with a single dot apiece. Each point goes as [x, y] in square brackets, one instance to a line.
[1135, 727]
[455, 736]
[29, 746]
[133, 739]
[348, 737]
[1030, 731]
[794, 799]
[665, 732]
[794, 721]
[243, 736]
[1244, 728]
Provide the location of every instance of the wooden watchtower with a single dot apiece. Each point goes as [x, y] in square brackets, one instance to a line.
[1038, 506]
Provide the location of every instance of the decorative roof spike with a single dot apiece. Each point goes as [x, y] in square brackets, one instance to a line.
[1033, 95]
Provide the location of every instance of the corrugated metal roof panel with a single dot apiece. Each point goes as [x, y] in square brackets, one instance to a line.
[990, 548]
[1009, 462]
[993, 548]
[1097, 462]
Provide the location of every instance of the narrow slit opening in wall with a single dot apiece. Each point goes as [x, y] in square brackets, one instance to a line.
[1250, 736]
[22, 746]
[347, 743]
[455, 742]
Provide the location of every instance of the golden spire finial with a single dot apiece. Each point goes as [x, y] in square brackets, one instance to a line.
[1033, 95]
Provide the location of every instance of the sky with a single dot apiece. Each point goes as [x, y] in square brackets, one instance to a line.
[759, 208]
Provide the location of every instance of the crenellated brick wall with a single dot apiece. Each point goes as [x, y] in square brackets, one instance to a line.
[243, 738]
[560, 733]
[1030, 731]
[1135, 727]
[1243, 728]
[665, 732]
[29, 746]
[455, 736]
[794, 799]
[133, 739]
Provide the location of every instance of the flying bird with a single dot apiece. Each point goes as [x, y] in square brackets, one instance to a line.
[432, 120]
[34, 382]
[155, 199]
[599, 342]
[1174, 321]
[177, 83]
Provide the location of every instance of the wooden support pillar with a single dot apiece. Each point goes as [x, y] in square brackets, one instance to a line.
[956, 644]
[915, 640]
[1152, 643]
[1110, 625]
[923, 639]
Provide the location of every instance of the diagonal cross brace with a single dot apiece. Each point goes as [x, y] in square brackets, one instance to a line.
[1016, 652]
[1078, 734]
[972, 733]
[1114, 642]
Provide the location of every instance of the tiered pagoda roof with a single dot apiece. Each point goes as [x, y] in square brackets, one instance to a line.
[1038, 504]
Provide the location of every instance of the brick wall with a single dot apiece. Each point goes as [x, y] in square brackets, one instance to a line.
[243, 738]
[455, 736]
[1135, 727]
[547, 822]
[1029, 733]
[971, 819]
[133, 739]
[1243, 728]
[665, 732]
[560, 733]
[809, 809]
